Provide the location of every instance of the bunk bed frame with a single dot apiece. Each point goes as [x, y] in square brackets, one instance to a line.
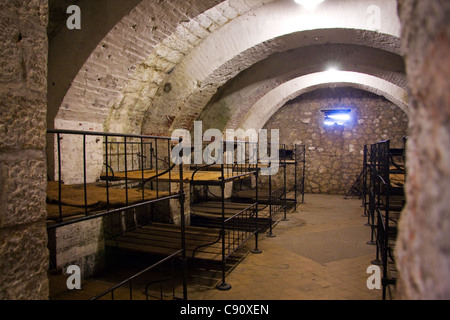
[71, 204]
[276, 199]
[237, 222]
[383, 201]
[297, 158]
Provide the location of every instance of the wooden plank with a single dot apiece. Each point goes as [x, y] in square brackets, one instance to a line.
[210, 252]
[190, 246]
[165, 251]
[149, 238]
[175, 228]
[171, 237]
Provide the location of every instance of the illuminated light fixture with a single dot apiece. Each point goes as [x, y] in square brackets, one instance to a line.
[309, 4]
[339, 117]
[332, 73]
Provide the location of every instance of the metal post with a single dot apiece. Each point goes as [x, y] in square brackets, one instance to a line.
[59, 178]
[295, 178]
[126, 171]
[183, 232]
[256, 250]
[270, 234]
[223, 285]
[107, 175]
[84, 174]
[284, 189]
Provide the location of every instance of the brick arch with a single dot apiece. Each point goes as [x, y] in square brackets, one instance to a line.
[250, 38]
[164, 83]
[234, 100]
[155, 35]
[264, 108]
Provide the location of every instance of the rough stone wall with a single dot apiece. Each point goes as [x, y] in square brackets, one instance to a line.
[23, 89]
[334, 155]
[423, 248]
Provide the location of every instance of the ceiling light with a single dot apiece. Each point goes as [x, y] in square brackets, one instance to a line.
[309, 4]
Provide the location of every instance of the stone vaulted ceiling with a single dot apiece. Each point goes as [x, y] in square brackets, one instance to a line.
[228, 63]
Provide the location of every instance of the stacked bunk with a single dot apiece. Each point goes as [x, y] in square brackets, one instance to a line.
[107, 191]
[273, 197]
[383, 200]
[136, 175]
[210, 199]
[295, 157]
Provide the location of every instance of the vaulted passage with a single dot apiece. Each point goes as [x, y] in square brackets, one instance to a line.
[134, 144]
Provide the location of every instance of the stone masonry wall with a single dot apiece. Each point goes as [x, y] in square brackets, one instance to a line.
[23, 97]
[334, 155]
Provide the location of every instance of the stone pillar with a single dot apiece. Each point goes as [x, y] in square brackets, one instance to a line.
[23, 105]
[423, 247]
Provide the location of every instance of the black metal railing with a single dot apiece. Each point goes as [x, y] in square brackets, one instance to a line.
[139, 156]
[101, 185]
[296, 158]
[232, 161]
[381, 200]
[102, 193]
[240, 228]
[143, 288]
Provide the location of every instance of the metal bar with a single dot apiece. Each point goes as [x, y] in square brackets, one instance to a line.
[84, 174]
[131, 290]
[59, 177]
[284, 188]
[256, 250]
[170, 172]
[223, 224]
[157, 177]
[238, 176]
[240, 212]
[107, 180]
[93, 133]
[102, 214]
[295, 177]
[182, 200]
[137, 275]
[270, 234]
[126, 170]
[142, 167]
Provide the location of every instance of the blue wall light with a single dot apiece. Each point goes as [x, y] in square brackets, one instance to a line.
[339, 117]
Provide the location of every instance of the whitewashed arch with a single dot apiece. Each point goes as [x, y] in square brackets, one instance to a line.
[264, 108]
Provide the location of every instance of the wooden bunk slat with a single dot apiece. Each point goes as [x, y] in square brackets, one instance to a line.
[159, 238]
[73, 201]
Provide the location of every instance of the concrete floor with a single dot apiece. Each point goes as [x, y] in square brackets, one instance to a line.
[320, 253]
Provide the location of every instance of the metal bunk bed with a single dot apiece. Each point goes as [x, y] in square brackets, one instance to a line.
[237, 223]
[383, 200]
[297, 158]
[275, 199]
[123, 204]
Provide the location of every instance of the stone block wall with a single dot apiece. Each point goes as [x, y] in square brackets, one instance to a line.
[334, 154]
[423, 245]
[23, 105]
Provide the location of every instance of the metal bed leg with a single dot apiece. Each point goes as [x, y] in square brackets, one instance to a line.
[223, 286]
[256, 250]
